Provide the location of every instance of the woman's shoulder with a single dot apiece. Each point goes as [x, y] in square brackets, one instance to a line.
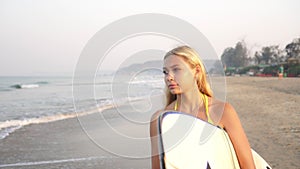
[215, 105]
[220, 111]
[214, 102]
[156, 114]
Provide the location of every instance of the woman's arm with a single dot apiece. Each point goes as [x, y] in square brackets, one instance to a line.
[154, 141]
[233, 126]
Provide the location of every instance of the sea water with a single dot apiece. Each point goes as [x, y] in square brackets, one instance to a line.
[28, 100]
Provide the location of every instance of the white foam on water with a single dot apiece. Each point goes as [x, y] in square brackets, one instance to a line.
[25, 86]
[10, 126]
[6, 131]
[29, 86]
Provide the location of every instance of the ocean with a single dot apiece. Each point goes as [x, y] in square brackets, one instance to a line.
[32, 100]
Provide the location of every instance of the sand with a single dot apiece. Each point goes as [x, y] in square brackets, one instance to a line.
[268, 108]
[270, 113]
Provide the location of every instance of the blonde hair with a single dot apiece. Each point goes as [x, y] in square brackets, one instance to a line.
[193, 59]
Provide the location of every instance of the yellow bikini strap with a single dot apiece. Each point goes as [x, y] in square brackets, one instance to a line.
[205, 99]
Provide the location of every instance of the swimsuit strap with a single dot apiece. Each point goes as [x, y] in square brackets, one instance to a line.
[176, 105]
[205, 100]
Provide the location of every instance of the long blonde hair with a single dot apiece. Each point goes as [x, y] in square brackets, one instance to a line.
[193, 59]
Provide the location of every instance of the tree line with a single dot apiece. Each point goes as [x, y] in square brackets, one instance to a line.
[239, 56]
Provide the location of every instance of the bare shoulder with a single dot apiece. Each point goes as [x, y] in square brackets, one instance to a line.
[216, 107]
[219, 105]
[230, 119]
[229, 110]
[156, 115]
[220, 111]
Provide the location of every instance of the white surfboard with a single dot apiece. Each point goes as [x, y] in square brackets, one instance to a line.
[189, 143]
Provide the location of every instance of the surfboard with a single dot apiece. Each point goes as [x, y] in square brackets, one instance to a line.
[189, 142]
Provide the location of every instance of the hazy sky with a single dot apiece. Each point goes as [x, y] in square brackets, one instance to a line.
[46, 37]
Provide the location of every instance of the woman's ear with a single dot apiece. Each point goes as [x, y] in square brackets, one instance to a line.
[197, 71]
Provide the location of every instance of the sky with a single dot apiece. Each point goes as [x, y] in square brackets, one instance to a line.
[46, 37]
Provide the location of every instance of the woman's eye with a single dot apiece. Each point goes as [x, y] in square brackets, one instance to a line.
[165, 72]
[175, 69]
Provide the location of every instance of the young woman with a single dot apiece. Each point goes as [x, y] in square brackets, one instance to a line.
[187, 91]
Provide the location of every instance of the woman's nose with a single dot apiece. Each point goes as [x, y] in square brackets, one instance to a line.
[170, 77]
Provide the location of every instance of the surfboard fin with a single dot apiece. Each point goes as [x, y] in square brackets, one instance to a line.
[208, 166]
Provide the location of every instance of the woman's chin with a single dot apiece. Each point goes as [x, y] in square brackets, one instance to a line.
[174, 91]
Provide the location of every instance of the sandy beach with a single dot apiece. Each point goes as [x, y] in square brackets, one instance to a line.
[270, 113]
[268, 108]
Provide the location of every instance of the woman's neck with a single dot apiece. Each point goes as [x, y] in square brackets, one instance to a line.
[190, 102]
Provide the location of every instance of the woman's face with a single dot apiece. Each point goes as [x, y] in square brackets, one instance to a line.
[179, 76]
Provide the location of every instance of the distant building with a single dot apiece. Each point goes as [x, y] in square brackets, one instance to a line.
[293, 60]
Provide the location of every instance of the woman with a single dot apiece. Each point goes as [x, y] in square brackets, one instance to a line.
[188, 91]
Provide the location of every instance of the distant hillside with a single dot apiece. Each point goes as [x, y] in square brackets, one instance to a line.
[155, 66]
[151, 67]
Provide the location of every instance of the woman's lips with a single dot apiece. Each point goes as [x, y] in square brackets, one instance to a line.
[172, 86]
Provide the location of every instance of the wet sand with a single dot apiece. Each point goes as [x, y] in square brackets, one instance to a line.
[268, 108]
